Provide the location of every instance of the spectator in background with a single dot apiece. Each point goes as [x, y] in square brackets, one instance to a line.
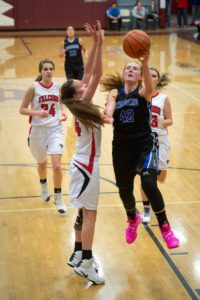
[182, 6]
[195, 10]
[139, 13]
[168, 13]
[152, 14]
[197, 24]
[114, 17]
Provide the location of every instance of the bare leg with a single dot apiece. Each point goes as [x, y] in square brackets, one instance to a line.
[42, 170]
[162, 176]
[57, 180]
[57, 172]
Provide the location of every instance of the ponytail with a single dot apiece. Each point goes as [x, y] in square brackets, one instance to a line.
[38, 78]
[86, 112]
[111, 81]
[164, 81]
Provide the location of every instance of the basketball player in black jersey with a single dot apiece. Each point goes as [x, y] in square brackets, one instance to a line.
[72, 47]
[135, 147]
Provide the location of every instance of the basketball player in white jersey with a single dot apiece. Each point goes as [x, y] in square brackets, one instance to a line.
[84, 168]
[42, 103]
[161, 119]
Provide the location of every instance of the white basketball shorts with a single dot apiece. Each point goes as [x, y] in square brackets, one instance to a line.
[46, 140]
[84, 184]
[164, 150]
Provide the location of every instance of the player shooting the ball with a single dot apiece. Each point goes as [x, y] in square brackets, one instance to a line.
[135, 146]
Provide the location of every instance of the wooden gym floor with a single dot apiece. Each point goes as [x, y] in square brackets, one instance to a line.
[36, 241]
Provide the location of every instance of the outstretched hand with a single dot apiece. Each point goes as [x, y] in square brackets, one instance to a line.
[100, 32]
[144, 58]
[95, 31]
[92, 31]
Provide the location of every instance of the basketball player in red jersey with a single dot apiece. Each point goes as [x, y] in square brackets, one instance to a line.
[84, 168]
[42, 103]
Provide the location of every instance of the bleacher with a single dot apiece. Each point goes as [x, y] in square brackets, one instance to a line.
[126, 7]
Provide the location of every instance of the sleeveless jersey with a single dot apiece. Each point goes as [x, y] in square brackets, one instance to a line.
[131, 116]
[46, 98]
[88, 143]
[157, 111]
[73, 54]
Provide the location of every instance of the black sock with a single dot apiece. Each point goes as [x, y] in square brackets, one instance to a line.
[78, 246]
[57, 190]
[131, 213]
[86, 254]
[162, 218]
[146, 203]
[43, 181]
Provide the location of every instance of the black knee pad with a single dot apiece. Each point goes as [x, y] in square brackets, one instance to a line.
[149, 186]
[127, 198]
[79, 221]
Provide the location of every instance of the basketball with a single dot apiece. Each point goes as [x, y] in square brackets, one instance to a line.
[136, 43]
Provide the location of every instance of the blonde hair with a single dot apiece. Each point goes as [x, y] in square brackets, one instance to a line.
[115, 81]
[111, 81]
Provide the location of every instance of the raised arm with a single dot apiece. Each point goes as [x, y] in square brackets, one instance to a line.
[97, 69]
[91, 55]
[147, 90]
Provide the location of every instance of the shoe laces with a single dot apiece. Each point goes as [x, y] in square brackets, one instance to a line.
[58, 198]
[169, 235]
[146, 211]
[132, 224]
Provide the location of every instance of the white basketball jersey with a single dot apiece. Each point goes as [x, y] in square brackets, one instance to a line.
[157, 112]
[88, 143]
[46, 98]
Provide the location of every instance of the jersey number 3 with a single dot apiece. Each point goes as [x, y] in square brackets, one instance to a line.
[154, 121]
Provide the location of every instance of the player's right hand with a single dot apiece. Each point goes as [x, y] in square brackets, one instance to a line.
[43, 114]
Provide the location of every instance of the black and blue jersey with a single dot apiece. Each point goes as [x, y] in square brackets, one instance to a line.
[132, 115]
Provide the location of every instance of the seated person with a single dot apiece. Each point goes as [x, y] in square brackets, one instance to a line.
[197, 34]
[139, 13]
[152, 14]
[114, 17]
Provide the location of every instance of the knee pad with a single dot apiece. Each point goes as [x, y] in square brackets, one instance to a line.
[127, 198]
[79, 221]
[149, 186]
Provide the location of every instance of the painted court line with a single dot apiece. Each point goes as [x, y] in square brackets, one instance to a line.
[186, 93]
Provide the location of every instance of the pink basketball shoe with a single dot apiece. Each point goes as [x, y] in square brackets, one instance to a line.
[131, 230]
[169, 237]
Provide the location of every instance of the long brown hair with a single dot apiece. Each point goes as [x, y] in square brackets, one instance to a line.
[41, 64]
[164, 79]
[87, 113]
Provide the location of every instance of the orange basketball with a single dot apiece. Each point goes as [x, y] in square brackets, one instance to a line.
[136, 43]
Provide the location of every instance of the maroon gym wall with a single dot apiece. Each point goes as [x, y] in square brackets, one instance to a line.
[56, 14]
